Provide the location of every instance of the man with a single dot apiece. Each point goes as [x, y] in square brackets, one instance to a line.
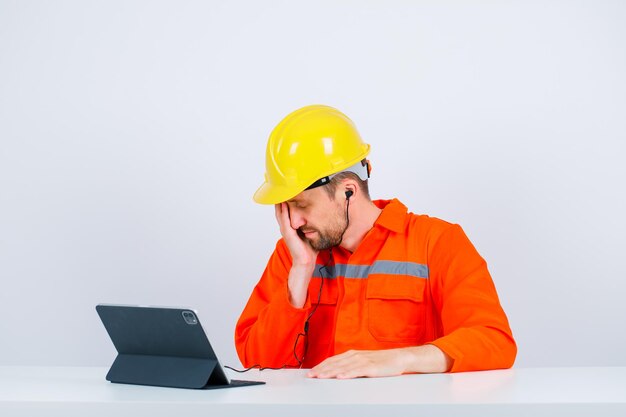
[362, 288]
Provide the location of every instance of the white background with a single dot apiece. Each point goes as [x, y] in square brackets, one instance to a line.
[133, 133]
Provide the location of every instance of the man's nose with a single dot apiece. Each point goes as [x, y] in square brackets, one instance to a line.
[297, 220]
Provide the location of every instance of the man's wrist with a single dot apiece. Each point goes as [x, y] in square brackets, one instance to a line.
[303, 264]
[298, 283]
[425, 359]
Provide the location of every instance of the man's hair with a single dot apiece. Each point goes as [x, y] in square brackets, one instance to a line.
[334, 182]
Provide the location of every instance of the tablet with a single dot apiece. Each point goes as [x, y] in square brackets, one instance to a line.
[162, 346]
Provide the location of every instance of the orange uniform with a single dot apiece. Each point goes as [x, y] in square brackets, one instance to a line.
[413, 280]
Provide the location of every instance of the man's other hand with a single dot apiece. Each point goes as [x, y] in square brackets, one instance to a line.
[379, 363]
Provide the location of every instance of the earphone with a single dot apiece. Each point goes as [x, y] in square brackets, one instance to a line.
[349, 194]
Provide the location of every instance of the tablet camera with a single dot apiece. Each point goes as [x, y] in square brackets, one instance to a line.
[189, 317]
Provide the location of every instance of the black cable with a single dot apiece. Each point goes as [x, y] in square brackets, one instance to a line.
[347, 220]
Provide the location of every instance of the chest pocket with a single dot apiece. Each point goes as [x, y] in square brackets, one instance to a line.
[396, 308]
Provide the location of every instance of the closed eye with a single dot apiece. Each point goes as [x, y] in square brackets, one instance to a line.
[297, 204]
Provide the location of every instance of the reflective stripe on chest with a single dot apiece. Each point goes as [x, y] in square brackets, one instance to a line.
[379, 267]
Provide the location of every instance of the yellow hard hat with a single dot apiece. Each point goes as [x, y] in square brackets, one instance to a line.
[306, 147]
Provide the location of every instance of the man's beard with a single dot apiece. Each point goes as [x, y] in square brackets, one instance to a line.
[329, 238]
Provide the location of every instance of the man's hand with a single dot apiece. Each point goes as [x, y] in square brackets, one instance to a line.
[301, 251]
[378, 363]
[302, 254]
[357, 363]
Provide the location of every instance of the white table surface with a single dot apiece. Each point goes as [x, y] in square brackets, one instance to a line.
[73, 391]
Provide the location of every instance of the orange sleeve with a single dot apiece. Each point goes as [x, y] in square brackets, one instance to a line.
[267, 329]
[476, 331]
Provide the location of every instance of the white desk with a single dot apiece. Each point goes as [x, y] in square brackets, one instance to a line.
[67, 391]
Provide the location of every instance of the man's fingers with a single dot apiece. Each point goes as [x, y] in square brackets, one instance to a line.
[355, 364]
[278, 209]
[333, 366]
[282, 216]
[341, 371]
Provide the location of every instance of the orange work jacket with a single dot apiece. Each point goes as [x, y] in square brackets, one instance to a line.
[413, 280]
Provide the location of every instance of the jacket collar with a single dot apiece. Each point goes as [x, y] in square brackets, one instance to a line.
[393, 216]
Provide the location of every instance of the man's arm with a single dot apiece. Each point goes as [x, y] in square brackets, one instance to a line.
[269, 324]
[476, 330]
[303, 257]
[267, 330]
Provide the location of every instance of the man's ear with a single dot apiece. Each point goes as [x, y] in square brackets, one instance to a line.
[349, 189]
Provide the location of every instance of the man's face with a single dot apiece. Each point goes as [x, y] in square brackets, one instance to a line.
[319, 219]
